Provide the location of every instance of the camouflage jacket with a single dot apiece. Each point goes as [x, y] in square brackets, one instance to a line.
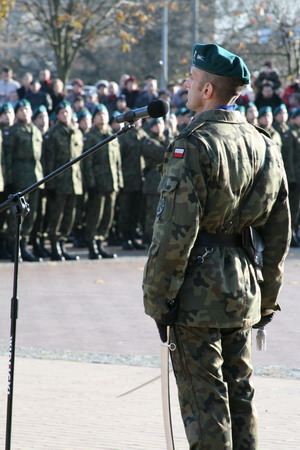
[207, 171]
[1, 164]
[153, 150]
[296, 160]
[133, 163]
[22, 155]
[62, 144]
[288, 149]
[103, 168]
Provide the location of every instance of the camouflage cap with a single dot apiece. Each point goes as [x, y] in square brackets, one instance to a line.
[264, 110]
[215, 59]
[5, 107]
[279, 108]
[39, 110]
[21, 103]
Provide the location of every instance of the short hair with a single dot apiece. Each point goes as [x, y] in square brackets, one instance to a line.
[225, 87]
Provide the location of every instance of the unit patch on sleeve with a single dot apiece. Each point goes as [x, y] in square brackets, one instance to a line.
[178, 153]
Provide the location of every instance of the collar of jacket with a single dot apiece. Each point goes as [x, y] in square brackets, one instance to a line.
[214, 115]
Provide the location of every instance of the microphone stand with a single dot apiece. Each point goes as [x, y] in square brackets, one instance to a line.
[20, 208]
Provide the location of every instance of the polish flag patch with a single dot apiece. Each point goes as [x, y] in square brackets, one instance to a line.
[178, 153]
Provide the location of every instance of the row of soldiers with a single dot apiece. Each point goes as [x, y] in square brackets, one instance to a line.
[84, 197]
[116, 187]
[284, 128]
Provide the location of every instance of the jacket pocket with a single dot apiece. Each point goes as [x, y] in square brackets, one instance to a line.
[167, 189]
[151, 262]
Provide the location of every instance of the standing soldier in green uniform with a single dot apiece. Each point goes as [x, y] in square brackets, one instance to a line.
[7, 118]
[153, 151]
[62, 143]
[294, 123]
[198, 277]
[291, 157]
[23, 167]
[131, 196]
[102, 175]
[265, 121]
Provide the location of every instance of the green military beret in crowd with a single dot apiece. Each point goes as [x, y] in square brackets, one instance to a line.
[62, 105]
[279, 108]
[83, 113]
[153, 122]
[100, 107]
[5, 107]
[182, 111]
[215, 59]
[264, 110]
[250, 105]
[241, 108]
[39, 110]
[21, 103]
[294, 113]
[113, 116]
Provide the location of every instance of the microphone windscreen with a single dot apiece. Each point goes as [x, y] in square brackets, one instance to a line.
[158, 108]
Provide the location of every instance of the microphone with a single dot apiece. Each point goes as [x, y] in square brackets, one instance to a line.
[158, 108]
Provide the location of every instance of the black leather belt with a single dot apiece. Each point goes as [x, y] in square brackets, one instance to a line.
[218, 240]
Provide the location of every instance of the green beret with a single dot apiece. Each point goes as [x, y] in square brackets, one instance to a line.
[215, 59]
[62, 105]
[241, 108]
[100, 107]
[5, 107]
[21, 103]
[250, 105]
[279, 108]
[40, 109]
[264, 110]
[83, 113]
[113, 116]
[294, 113]
[182, 111]
[153, 122]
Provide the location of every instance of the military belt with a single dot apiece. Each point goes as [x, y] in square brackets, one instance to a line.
[205, 239]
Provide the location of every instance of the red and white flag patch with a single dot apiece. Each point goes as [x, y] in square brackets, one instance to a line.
[178, 153]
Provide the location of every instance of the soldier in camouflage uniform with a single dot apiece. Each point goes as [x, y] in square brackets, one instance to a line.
[291, 157]
[198, 278]
[62, 143]
[265, 121]
[153, 151]
[102, 174]
[131, 196]
[23, 167]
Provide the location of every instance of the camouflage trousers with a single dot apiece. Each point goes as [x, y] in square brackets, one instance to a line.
[213, 371]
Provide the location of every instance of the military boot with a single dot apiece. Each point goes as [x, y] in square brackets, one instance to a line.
[26, 254]
[56, 253]
[93, 250]
[67, 255]
[103, 252]
[38, 249]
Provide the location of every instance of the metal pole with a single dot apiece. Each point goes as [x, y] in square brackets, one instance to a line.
[164, 62]
[195, 24]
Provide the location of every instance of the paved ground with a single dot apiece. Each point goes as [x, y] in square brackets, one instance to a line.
[83, 339]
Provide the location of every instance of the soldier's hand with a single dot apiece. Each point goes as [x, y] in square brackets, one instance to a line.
[264, 321]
